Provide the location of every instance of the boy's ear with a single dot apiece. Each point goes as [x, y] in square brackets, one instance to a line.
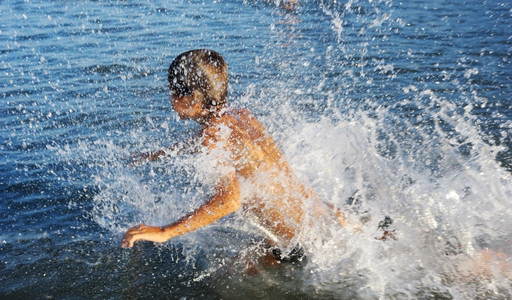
[198, 97]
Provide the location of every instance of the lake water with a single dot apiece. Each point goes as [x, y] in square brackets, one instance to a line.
[385, 108]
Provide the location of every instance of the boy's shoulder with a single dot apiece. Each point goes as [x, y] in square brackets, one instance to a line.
[247, 121]
[220, 128]
[244, 115]
[240, 112]
[233, 119]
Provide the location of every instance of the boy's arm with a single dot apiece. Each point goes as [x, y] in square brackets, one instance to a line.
[187, 146]
[225, 201]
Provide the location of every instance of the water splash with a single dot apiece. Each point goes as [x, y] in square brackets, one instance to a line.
[437, 179]
[448, 200]
[376, 129]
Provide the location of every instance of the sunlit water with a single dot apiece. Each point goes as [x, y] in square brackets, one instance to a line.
[384, 108]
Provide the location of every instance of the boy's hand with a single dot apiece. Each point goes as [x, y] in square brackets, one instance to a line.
[138, 158]
[141, 232]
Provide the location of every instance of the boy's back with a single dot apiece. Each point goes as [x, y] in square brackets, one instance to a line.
[275, 195]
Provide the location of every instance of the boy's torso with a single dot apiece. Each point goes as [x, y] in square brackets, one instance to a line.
[277, 195]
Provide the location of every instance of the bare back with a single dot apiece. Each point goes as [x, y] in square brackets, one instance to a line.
[278, 195]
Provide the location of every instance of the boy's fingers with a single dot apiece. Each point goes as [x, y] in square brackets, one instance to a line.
[124, 243]
[127, 241]
[127, 244]
[129, 237]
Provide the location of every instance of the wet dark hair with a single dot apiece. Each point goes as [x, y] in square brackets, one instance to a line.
[202, 70]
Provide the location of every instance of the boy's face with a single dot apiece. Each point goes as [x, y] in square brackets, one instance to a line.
[187, 107]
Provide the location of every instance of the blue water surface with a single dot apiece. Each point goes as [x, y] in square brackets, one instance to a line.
[83, 84]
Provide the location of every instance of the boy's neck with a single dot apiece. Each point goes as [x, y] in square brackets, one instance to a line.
[211, 117]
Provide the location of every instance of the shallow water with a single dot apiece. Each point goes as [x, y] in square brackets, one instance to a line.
[384, 108]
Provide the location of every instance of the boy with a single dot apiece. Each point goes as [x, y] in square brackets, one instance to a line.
[198, 81]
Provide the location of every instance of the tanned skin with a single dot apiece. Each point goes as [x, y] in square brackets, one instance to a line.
[198, 81]
[252, 151]
[253, 154]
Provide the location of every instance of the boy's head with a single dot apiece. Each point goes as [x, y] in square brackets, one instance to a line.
[203, 73]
